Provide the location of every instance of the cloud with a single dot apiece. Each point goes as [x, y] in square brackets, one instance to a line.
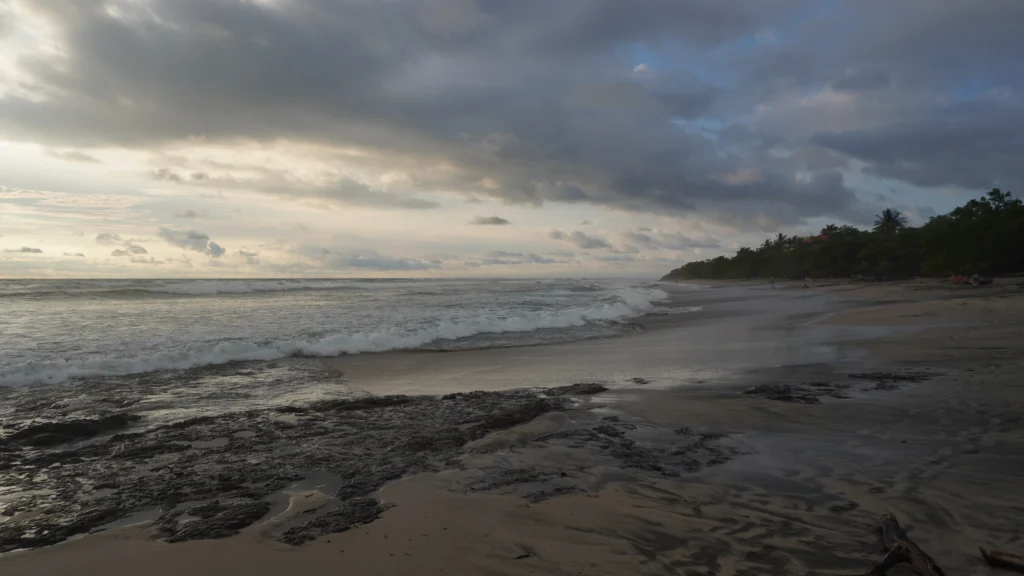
[142, 260]
[108, 239]
[25, 250]
[555, 118]
[129, 250]
[187, 214]
[662, 240]
[929, 150]
[862, 81]
[191, 240]
[74, 156]
[504, 258]
[365, 260]
[284, 184]
[250, 258]
[530, 104]
[214, 249]
[489, 221]
[579, 240]
[75, 255]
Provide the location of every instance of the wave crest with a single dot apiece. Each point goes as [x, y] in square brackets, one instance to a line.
[622, 305]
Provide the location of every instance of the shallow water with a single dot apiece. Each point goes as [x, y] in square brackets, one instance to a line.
[66, 331]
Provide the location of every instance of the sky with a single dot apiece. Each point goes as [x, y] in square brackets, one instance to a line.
[475, 138]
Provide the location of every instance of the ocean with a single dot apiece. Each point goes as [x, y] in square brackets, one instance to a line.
[71, 331]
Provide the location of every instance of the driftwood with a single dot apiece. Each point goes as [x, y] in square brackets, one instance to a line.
[903, 550]
[999, 559]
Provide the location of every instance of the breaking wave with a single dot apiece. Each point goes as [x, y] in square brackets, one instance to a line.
[622, 305]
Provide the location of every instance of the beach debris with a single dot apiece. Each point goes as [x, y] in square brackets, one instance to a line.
[903, 550]
[1001, 559]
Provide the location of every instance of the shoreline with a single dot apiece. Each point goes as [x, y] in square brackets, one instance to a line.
[799, 493]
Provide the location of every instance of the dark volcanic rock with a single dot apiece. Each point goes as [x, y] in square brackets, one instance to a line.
[352, 513]
[803, 393]
[502, 477]
[56, 526]
[785, 393]
[583, 389]
[368, 403]
[361, 444]
[364, 443]
[213, 520]
[890, 377]
[53, 433]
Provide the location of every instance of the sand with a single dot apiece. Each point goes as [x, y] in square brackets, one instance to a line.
[802, 496]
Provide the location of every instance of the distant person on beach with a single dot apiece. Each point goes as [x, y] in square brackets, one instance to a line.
[772, 282]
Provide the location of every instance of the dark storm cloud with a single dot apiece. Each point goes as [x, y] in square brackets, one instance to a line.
[489, 221]
[862, 81]
[537, 101]
[970, 145]
[191, 240]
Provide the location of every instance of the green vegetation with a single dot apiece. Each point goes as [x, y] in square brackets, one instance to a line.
[984, 236]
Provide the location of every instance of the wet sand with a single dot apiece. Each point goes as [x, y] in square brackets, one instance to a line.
[715, 481]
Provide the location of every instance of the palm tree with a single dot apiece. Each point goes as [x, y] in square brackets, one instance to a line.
[890, 221]
[781, 240]
[830, 229]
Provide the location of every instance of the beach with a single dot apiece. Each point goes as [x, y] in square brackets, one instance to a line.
[762, 433]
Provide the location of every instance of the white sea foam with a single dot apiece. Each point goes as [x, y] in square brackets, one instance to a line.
[621, 305]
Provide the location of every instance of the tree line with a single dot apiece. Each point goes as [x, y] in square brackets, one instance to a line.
[984, 236]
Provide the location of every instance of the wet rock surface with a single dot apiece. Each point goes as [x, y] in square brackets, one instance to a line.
[212, 476]
[809, 393]
[349, 514]
[222, 468]
[813, 392]
[212, 520]
[595, 451]
[53, 433]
